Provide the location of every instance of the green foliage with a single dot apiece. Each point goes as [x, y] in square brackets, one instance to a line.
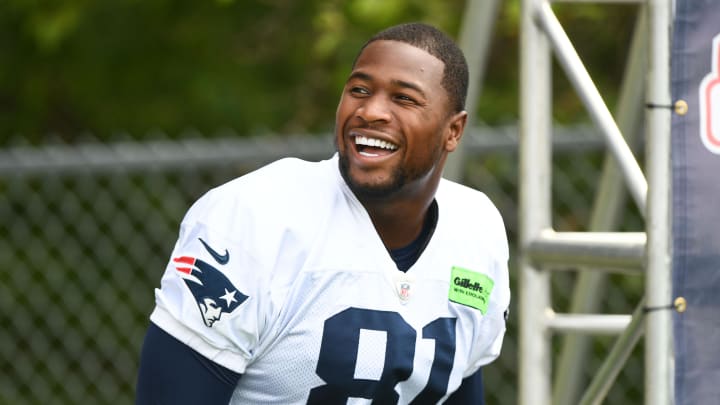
[254, 66]
[601, 34]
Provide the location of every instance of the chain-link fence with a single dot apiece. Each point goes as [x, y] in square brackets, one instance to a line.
[86, 231]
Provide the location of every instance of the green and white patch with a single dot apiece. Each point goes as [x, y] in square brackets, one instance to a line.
[470, 288]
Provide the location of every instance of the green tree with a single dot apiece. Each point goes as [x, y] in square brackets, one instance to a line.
[253, 66]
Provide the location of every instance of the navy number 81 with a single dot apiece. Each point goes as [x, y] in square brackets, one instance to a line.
[339, 350]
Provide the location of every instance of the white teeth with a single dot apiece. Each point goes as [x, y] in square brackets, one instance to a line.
[376, 143]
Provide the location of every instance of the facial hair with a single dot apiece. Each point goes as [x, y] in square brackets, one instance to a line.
[365, 192]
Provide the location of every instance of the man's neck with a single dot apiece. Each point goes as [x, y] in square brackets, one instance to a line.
[398, 224]
[406, 256]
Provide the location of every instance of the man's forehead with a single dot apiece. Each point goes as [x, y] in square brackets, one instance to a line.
[396, 46]
[392, 54]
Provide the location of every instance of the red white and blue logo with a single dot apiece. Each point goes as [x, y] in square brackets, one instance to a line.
[710, 102]
[213, 292]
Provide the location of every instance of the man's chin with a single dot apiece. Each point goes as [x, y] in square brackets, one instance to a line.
[374, 189]
[372, 192]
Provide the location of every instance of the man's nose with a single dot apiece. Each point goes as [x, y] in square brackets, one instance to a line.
[375, 109]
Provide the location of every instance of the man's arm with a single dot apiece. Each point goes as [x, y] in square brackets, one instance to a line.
[471, 391]
[173, 373]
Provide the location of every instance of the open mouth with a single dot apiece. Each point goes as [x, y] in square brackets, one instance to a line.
[372, 147]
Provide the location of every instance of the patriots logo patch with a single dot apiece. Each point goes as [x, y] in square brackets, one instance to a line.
[213, 292]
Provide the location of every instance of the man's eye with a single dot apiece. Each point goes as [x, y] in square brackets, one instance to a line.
[405, 99]
[359, 90]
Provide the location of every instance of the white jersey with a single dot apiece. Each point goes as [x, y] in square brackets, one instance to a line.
[281, 276]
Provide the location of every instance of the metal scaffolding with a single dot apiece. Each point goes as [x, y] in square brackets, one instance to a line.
[543, 249]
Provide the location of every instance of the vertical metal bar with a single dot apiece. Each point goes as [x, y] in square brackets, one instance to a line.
[607, 208]
[593, 101]
[535, 203]
[658, 343]
[475, 34]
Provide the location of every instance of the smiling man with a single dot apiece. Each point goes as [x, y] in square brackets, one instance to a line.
[364, 278]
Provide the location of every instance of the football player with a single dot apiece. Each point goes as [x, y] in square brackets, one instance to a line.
[364, 278]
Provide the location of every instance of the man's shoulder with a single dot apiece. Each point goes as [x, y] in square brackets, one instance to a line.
[468, 208]
[283, 175]
[280, 189]
[287, 178]
[461, 197]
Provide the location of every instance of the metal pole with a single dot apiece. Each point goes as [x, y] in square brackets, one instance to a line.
[619, 354]
[609, 203]
[588, 323]
[475, 34]
[617, 251]
[590, 96]
[535, 202]
[658, 342]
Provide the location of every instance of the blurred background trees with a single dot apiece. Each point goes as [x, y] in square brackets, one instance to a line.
[76, 71]
[131, 67]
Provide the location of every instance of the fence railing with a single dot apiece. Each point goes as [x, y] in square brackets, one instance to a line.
[86, 230]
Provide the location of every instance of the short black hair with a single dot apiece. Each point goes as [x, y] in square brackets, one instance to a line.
[440, 45]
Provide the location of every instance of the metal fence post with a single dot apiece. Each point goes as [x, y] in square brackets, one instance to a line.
[658, 343]
[535, 179]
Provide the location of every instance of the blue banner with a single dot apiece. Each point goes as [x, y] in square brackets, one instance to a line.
[695, 66]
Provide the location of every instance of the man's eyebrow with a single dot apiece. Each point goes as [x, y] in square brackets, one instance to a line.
[408, 85]
[360, 75]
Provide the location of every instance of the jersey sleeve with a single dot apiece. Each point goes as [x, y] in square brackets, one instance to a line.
[211, 295]
[471, 391]
[493, 323]
[192, 378]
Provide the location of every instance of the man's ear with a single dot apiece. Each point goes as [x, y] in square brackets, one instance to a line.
[455, 129]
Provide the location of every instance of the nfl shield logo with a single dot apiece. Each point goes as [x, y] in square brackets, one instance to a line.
[404, 291]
